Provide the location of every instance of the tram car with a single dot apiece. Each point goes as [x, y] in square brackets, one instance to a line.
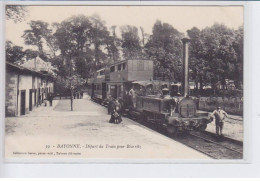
[165, 104]
[116, 80]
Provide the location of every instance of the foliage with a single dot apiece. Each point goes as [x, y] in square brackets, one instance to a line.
[30, 54]
[131, 42]
[232, 105]
[40, 35]
[14, 54]
[112, 46]
[164, 47]
[216, 55]
[17, 13]
[80, 45]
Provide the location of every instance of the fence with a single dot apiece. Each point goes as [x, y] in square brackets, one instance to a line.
[232, 105]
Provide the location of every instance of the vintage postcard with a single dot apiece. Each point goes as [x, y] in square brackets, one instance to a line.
[124, 82]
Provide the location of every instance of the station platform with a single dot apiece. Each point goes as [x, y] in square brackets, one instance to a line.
[57, 132]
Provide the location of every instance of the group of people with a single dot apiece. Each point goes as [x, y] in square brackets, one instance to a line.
[114, 109]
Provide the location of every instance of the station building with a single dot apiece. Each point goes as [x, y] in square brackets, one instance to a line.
[26, 88]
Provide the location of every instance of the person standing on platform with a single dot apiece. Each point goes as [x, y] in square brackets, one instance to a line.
[110, 104]
[116, 113]
[50, 99]
[219, 116]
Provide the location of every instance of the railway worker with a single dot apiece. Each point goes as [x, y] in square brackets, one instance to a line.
[132, 93]
[219, 116]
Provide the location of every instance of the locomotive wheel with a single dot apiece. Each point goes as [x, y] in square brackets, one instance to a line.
[203, 127]
[171, 130]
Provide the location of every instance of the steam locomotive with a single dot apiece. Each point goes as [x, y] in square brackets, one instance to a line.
[172, 109]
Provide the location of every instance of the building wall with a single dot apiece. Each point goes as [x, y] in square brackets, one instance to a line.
[11, 94]
[16, 83]
[25, 83]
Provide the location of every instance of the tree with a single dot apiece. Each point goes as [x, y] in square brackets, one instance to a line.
[98, 36]
[17, 13]
[14, 54]
[31, 54]
[219, 53]
[198, 66]
[164, 47]
[84, 64]
[76, 37]
[238, 45]
[112, 46]
[40, 35]
[131, 42]
[215, 55]
[145, 37]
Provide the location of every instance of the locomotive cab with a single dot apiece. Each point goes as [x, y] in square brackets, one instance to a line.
[175, 90]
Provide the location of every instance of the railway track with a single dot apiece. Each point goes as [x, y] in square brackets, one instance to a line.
[217, 148]
[206, 143]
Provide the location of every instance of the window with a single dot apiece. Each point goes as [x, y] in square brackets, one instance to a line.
[124, 66]
[119, 67]
[112, 69]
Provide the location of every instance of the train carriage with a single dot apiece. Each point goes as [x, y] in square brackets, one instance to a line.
[116, 79]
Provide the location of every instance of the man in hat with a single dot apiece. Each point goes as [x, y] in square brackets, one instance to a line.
[219, 116]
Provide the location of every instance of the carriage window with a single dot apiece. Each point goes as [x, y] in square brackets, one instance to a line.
[119, 67]
[112, 69]
[124, 66]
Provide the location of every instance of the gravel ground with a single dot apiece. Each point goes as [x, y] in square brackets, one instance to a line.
[47, 130]
[232, 128]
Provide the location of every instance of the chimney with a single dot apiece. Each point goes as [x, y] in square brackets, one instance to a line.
[185, 81]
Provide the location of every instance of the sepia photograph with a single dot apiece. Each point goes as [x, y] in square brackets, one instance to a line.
[124, 82]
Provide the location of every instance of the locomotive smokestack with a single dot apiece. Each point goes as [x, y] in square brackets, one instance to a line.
[185, 81]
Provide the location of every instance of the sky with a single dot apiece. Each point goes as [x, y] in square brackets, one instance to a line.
[181, 18]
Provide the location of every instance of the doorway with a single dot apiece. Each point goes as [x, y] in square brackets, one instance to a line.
[35, 91]
[30, 99]
[22, 111]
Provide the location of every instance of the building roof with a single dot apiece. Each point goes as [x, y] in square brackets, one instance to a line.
[38, 64]
[24, 70]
